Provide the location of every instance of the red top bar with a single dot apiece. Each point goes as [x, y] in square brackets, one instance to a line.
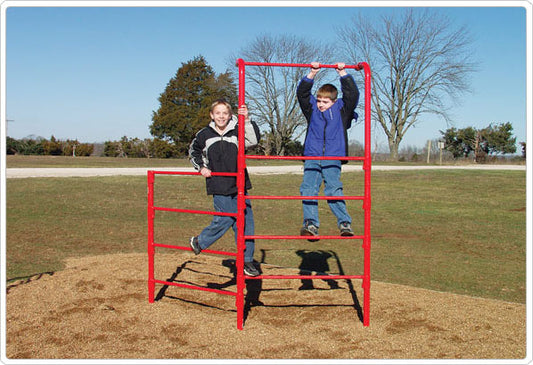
[357, 67]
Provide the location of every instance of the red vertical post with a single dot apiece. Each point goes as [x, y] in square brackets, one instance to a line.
[367, 196]
[151, 216]
[241, 204]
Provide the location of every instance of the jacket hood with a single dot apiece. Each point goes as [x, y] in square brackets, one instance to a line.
[232, 124]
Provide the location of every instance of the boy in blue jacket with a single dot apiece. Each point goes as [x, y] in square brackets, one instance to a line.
[328, 120]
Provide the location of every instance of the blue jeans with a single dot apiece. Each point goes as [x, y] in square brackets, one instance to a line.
[329, 171]
[220, 224]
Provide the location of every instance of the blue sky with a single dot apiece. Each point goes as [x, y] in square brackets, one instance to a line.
[95, 73]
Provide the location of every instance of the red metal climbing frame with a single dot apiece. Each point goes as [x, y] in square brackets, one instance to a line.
[241, 165]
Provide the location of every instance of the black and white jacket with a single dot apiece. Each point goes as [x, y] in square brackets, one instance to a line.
[219, 154]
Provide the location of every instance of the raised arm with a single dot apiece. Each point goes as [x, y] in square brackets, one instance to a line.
[251, 130]
[303, 92]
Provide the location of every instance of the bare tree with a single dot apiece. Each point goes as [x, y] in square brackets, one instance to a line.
[271, 91]
[420, 63]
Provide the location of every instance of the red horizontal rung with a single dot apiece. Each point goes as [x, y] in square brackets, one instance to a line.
[195, 211]
[195, 287]
[191, 173]
[347, 158]
[187, 248]
[278, 237]
[325, 277]
[301, 197]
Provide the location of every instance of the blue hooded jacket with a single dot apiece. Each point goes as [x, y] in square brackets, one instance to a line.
[327, 132]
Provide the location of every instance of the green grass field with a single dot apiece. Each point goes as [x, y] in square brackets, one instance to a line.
[20, 161]
[456, 231]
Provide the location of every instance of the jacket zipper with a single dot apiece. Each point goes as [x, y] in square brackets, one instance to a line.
[325, 125]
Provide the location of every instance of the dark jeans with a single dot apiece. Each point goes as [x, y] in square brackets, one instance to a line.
[220, 224]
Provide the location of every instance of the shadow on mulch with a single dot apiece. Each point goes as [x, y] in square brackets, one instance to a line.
[312, 261]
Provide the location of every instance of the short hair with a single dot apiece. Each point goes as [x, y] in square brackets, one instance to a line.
[220, 102]
[327, 91]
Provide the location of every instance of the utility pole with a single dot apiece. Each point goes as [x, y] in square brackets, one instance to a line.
[8, 120]
[441, 146]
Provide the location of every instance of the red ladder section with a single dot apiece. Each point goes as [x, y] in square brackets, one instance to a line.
[241, 165]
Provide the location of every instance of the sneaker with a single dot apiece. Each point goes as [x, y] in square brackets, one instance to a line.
[309, 229]
[195, 246]
[346, 229]
[250, 269]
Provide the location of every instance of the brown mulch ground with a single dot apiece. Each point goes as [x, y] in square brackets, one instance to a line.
[97, 308]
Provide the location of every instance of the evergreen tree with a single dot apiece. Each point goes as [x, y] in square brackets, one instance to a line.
[460, 142]
[52, 147]
[184, 105]
[499, 139]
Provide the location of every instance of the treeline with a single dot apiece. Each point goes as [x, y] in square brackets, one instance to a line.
[125, 147]
[141, 148]
[160, 148]
[43, 146]
[459, 144]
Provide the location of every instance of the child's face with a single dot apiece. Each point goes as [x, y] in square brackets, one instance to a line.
[324, 104]
[221, 115]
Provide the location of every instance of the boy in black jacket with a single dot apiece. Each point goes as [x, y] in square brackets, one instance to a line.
[214, 149]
